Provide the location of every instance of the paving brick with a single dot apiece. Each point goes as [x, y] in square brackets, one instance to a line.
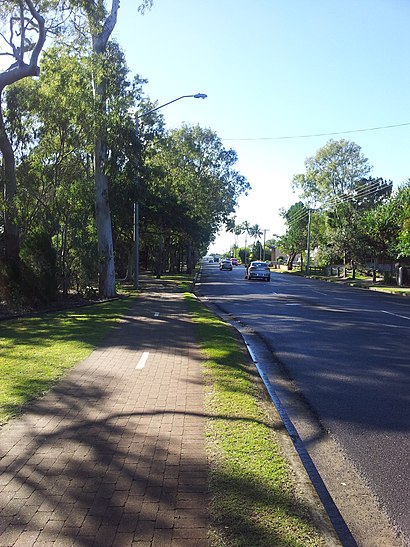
[114, 455]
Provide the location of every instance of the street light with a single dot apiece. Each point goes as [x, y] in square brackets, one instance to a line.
[136, 205]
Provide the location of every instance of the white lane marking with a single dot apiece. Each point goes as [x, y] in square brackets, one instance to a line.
[142, 361]
[396, 315]
[156, 314]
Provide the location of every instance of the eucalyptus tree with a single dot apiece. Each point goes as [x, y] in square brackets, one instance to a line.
[196, 190]
[336, 168]
[56, 170]
[295, 239]
[22, 38]
[337, 180]
[55, 174]
[101, 21]
[386, 228]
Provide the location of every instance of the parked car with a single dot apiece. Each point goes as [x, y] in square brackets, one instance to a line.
[257, 270]
[234, 261]
[225, 264]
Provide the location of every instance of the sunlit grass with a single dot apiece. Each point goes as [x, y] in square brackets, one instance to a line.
[36, 351]
[252, 485]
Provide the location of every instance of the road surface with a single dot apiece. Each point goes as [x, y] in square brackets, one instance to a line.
[348, 352]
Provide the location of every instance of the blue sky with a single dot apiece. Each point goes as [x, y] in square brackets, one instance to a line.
[279, 68]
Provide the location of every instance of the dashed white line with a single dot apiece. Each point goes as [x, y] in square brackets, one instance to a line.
[142, 361]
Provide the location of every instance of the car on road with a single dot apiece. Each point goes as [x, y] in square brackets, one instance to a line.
[257, 270]
[225, 264]
[234, 261]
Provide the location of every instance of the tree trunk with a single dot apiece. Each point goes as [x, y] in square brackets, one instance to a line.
[160, 257]
[106, 280]
[189, 260]
[291, 258]
[106, 270]
[15, 73]
[11, 231]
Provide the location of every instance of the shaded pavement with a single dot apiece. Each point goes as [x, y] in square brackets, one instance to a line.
[115, 453]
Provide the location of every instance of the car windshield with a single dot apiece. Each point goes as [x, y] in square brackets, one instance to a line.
[261, 265]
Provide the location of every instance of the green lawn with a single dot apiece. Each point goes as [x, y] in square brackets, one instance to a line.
[36, 351]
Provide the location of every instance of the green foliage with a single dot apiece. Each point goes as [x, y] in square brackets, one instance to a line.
[187, 182]
[295, 239]
[403, 240]
[337, 179]
[336, 168]
[386, 227]
[39, 256]
[190, 187]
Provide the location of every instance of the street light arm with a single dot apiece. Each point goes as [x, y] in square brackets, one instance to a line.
[136, 209]
[196, 96]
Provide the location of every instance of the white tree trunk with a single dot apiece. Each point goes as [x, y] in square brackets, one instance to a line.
[106, 282]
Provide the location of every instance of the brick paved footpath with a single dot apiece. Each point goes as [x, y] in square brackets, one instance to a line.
[115, 453]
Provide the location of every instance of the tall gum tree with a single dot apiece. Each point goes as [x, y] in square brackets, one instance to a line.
[101, 23]
[23, 35]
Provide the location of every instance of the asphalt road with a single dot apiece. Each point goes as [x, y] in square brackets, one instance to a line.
[348, 351]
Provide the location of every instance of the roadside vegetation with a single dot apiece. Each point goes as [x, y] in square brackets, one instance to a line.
[254, 499]
[253, 489]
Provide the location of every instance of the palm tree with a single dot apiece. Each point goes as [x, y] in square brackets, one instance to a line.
[232, 227]
[245, 229]
[256, 232]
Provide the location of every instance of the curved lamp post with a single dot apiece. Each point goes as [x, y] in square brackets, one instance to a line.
[136, 207]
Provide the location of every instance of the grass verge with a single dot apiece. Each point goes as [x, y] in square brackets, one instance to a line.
[254, 496]
[253, 490]
[36, 351]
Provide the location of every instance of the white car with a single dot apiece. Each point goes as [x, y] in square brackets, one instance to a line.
[225, 264]
[257, 270]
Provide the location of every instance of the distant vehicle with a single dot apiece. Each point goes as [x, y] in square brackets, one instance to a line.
[234, 261]
[225, 264]
[257, 270]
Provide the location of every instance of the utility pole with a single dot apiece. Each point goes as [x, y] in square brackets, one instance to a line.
[136, 218]
[308, 243]
[264, 243]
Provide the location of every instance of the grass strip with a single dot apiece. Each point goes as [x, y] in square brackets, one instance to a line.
[35, 352]
[253, 490]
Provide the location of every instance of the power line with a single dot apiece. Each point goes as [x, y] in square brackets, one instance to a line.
[320, 134]
[360, 192]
